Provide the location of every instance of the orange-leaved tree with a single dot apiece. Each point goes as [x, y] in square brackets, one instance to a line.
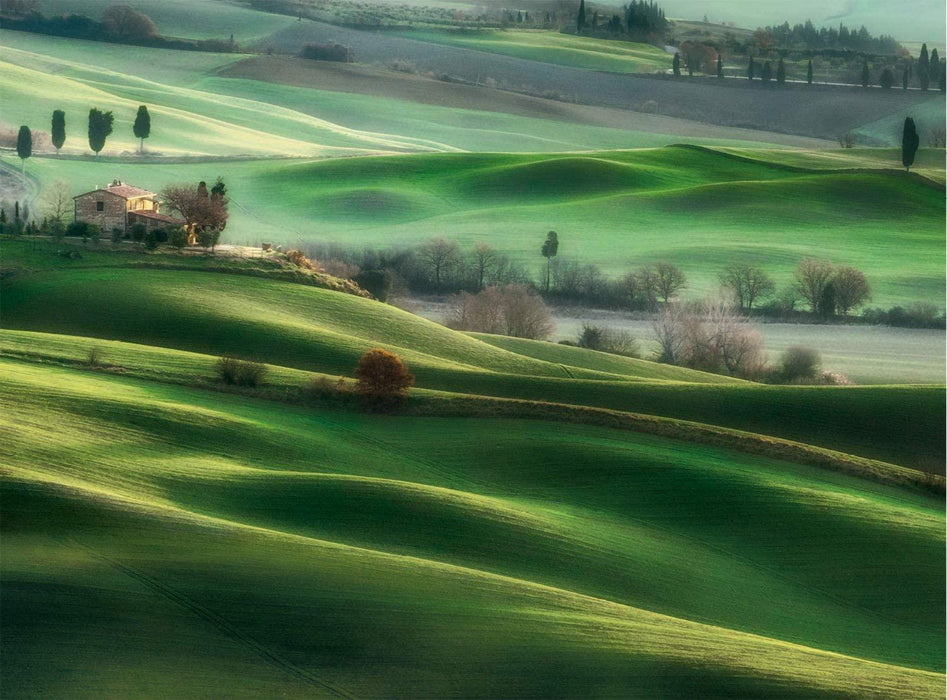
[382, 376]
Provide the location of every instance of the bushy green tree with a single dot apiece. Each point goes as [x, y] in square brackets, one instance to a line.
[24, 145]
[58, 130]
[887, 79]
[100, 126]
[909, 143]
[142, 127]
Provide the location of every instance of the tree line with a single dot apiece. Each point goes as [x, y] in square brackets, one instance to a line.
[119, 24]
[100, 125]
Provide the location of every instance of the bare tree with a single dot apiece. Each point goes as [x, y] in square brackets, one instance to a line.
[670, 280]
[439, 256]
[648, 284]
[851, 289]
[513, 310]
[812, 277]
[484, 260]
[670, 332]
[58, 205]
[204, 215]
[748, 284]
[525, 313]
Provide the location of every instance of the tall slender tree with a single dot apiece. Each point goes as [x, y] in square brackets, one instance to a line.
[100, 126]
[909, 143]
[580, 20]
[676, 65]
[866, 75]
[58, 131]
[750, 69]
[24, 145]
[933, 66]
[923, 68]
[904, 79]
[719, 66]
[549, 250]
[809, 72]
[781, 73]
[142, 127]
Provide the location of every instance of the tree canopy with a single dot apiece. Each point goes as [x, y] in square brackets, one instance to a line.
[100, 126]
[24, 144]
[58, 130]
[142, 127]
[909, 143]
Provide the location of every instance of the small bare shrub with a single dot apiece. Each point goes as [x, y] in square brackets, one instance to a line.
[799, 365]
[937, 137]
[236, 372]
[847, 140]
[94, 358]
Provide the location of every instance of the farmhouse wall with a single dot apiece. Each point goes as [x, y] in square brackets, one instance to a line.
[112, 214]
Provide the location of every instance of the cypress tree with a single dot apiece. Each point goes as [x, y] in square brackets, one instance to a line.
[904, 79]
[24, 145]
[909, 143]
[767, 73]
[750, 68]
[923, 68]
[142, 127]
[866, 75]
[100, 126]
[580, 20]
[933, 66]
[809, 73]
[719, 66]
[676, 65]
[58, 131]
[781, 73]
[887, 79]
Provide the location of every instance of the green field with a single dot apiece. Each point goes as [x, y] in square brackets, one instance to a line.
[320, 550]
[561, 49]
[321, 331]
[698, 209]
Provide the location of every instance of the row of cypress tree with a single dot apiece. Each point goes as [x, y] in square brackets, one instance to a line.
[100, 127]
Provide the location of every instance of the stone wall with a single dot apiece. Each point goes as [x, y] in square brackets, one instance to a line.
[111, 216]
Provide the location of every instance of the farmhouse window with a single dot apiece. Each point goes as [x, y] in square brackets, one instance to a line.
[100, 206]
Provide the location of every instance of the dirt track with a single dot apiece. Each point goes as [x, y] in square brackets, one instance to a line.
[816, 111]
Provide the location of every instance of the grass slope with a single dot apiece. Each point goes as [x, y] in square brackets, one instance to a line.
[317, 330]
[618, 210]
[145, 498]
[561, 49]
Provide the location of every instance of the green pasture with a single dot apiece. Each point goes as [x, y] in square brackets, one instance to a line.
[321, 331]
[698, 209]
[118, 484]
[190, 19]
[553, 47]
[196, 113]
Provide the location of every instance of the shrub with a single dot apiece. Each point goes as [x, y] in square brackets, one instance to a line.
[799, 364]
[94, 358]
[321, 387]
[382, 376]
[178, 238]
[236, 372]
[616, 342]
[376, 282]
[327, 52]
[82, 229]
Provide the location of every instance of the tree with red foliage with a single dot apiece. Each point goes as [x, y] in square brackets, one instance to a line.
[382, 377]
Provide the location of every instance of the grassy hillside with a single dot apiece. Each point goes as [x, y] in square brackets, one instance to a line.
[119, 507]
[618, 210]
[561, 49]
[317, 330]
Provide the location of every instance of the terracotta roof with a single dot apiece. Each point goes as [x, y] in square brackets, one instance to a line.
[123, 191]
[156, 216]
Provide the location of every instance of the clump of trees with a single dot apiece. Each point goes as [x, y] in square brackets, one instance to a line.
[605, 339]
[327, 52]
[712, 337]
[204, 212]
[829, 289]
[514, 310]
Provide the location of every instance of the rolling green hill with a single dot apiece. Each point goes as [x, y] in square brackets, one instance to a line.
[113, 486]
[317, 330]
[696, 208]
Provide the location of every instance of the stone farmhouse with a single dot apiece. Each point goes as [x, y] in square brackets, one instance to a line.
[121, 206]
